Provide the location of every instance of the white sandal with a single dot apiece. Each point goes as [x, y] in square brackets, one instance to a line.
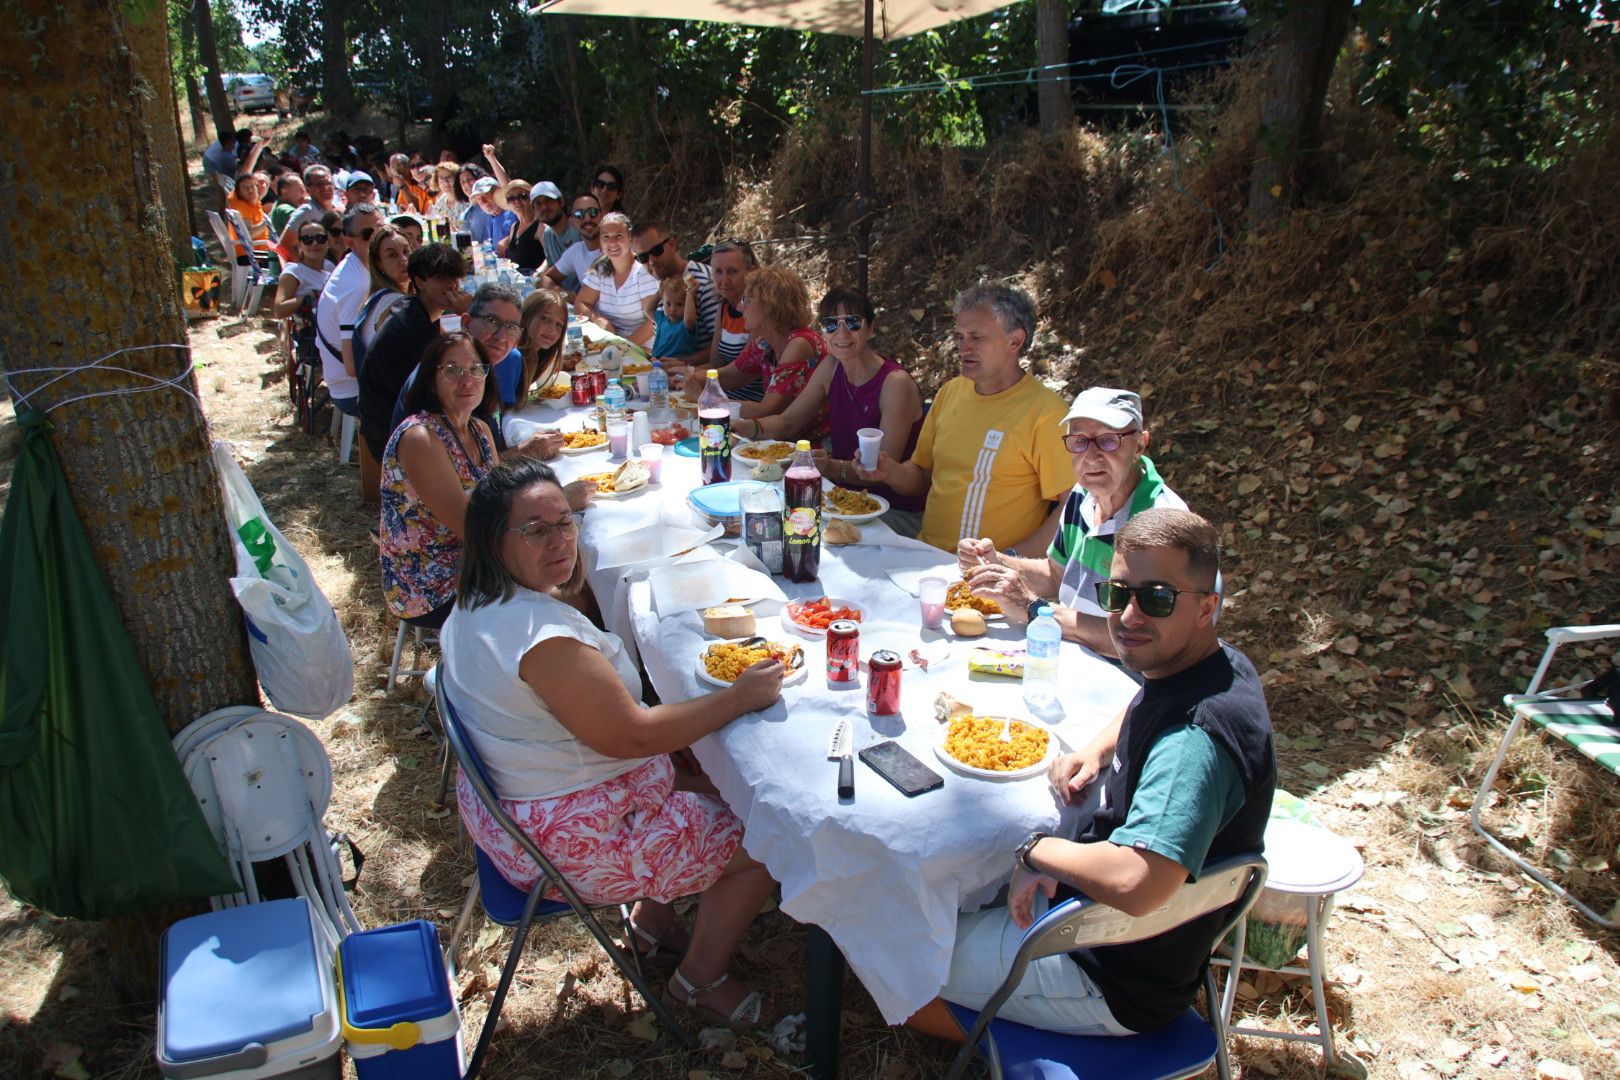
[745, 1017]
[649, 946]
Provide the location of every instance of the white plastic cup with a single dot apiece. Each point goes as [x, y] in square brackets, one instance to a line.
[641, 385]
[449, 324]
[871, 440]
[931, 600]
[735, 409]
[640, 428]
[618, 433]
[652, 456]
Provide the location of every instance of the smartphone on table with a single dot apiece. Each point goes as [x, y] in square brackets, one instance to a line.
[899, 767]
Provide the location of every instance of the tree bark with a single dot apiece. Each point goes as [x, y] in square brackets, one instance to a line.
[337, 92]
[149, 38]
[1052, 49]
[188, 55]
[567, 77]
[1302, 60]
[440, 86]
[218, 104]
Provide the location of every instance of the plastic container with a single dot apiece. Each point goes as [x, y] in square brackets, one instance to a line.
[248, 993]
[1042, 643]
[399, 1020]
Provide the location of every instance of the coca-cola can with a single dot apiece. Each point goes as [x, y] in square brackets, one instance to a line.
[579, 388]
[843, 650]
[598, 382]
[883, 683]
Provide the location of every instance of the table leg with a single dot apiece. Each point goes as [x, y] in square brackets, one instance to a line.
[825, 1002]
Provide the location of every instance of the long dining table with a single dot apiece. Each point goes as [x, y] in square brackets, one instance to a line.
[879, 879]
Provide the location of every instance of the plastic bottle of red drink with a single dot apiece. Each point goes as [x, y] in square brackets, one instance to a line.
[801, 517]
[714, 431]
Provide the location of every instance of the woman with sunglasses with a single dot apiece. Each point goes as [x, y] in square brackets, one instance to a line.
[576, 759]
[607, 184]
[1114, 481]
[522, 242]
[613, 293]
[304, 279]
[864, 389]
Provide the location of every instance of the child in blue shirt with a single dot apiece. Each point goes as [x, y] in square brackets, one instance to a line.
[674, 316]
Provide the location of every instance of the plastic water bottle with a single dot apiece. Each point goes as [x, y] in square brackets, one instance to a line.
[1042, 641]
[658, 387]
[614, 399]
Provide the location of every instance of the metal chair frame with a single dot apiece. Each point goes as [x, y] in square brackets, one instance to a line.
[624, 959]
[1232, 884]
[255, 265]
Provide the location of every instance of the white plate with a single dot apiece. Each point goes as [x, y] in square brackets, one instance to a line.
[576, 451]
[788, 680]
[810, 631]
[903, 639]
[738, 442]
[994, 774]
[613, 494]
[856, 519]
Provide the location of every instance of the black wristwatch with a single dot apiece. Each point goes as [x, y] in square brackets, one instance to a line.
[1021, 855]
[1034, 607]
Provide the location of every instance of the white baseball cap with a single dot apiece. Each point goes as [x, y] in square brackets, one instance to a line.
[1106, 405]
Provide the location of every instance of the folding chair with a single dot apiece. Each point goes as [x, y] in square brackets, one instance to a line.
[419, 639]
[255, 264]
[510, 906]
[1588, 726]
[238, 272]
[1184, 1047]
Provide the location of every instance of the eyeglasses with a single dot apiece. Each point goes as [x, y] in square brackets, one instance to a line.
[588, 212]
[365, 234]
[498, 326]
[312, 238]
[851, 323]
[605, 185]
[472, 371]
[1107, 442]
[539, 533]
[653, 252]
[1155, 601]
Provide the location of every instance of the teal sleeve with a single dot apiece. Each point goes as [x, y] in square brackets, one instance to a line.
[1190, 787]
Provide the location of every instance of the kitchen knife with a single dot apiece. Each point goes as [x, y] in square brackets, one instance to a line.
[842, 747]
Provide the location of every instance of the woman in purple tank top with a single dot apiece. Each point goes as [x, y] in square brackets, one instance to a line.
[862, 390]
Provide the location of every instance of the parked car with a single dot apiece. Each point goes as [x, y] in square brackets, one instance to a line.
[251, 93]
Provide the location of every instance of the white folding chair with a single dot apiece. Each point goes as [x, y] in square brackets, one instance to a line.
[238, 272]
[255, 265]
[1588, 726]
[420, 638]
[1184, 1047]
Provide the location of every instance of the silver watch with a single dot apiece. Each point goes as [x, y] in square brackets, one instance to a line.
[1021, 855]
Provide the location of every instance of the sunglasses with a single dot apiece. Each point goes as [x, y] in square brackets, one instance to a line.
[518, 196]
[1107, 442]
[653, 252]
[472, 371]
[539, 532]
[588, 212]
[1155, 601]
[605, 185]
[365, 234]
[852, 323]
[312, 238]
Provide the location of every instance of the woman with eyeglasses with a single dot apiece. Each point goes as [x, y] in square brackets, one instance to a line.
[613, 293]
[864, 389]
[1114, 481]
[301, 282]
[454, 200]
[607, 184]
[553, 706]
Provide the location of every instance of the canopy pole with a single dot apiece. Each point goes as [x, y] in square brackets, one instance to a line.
[863, 199]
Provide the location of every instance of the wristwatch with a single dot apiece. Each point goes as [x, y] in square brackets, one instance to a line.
[1035, 606]
[1021, 855]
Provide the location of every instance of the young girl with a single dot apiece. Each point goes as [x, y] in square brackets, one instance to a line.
[674, 315]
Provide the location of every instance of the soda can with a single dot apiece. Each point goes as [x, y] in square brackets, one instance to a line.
[843, 650]
[579, 388]
[883, 683]
[598, 382]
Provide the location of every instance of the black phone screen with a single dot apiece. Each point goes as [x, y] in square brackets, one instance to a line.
[895, 764]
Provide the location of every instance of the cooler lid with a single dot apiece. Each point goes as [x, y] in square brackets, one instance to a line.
[238, 976]
[719, 500]
[393, 974]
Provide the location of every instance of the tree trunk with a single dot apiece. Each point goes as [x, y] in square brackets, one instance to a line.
[337, 93]
[188, 56]
[1302, 60]
[218, 104]
[567, 77]
[149, 38]
[439, 83]
[1051, 50]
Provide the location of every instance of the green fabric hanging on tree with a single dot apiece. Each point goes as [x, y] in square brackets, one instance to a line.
[96, 817]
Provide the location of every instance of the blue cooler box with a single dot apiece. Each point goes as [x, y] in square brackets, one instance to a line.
[399, 1019]
[248, 994]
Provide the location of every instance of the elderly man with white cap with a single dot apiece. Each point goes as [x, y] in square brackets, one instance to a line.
[1114, 481]
[485, 219]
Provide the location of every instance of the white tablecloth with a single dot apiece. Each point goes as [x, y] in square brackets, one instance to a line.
[883, 874]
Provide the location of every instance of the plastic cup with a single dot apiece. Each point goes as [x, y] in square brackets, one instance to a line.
[870, 439]
[449, 324]
[735, 409]
[618, 433]
[931, 600]
[641, 386]
[652, 456]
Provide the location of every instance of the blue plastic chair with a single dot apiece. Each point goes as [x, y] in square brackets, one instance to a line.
[508, 905]
[1184, 1047]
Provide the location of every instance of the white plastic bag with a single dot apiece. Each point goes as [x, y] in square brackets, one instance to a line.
[297, 643]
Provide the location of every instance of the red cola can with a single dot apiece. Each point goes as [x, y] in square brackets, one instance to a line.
[579, 388]
[843, 650]
[598, 382]
[883, 683]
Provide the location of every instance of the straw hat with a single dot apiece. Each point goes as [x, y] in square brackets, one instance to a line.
[506, 192]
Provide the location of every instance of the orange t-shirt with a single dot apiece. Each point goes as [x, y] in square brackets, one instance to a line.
[253, 214]
[412, 199]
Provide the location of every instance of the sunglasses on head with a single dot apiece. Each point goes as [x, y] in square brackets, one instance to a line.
[1107, 442]
[653, 252]
[606, 185]
[588, 212]
[1155, 600]
[852, 323]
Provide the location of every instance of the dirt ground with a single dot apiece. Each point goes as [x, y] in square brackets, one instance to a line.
[1441, 964]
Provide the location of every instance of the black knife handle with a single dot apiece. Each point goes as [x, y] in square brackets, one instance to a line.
[846, 777]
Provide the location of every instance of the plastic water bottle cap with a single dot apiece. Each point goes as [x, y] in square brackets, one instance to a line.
[1043, 611]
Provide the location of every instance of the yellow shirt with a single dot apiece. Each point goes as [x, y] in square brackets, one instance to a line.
[997, 460]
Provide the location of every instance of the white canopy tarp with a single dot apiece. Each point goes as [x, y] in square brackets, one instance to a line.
[891, 19]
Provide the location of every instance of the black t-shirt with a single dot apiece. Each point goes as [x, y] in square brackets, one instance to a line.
[393, 355]
[526, 248]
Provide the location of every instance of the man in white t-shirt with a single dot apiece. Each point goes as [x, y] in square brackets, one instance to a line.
[568, 270]
[345, 293]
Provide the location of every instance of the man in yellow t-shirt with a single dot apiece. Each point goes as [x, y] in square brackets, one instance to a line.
[990, 455]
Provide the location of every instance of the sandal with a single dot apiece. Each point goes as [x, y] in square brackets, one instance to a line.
[747, 1016]
[648, 946]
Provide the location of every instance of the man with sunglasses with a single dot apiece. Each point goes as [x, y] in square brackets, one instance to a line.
[657, 249]
[339, 308]
[1186, 773]
[570, 268]
[1114, 480]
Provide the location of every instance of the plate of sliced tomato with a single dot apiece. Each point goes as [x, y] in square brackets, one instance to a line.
[812, 617]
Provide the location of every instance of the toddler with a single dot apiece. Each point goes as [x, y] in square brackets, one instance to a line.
[674, 317]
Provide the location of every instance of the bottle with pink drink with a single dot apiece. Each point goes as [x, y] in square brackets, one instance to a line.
[801, 516]
[714, 431]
